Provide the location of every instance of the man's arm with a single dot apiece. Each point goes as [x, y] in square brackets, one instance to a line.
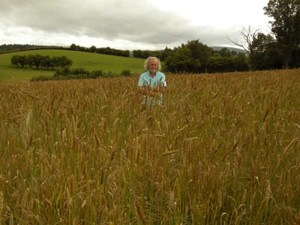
[141, 87]
[163, 84]
[142, 90]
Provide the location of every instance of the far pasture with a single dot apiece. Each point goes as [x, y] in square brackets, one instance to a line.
[90, 61]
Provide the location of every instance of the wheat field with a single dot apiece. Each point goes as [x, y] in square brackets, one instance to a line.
[223, 149]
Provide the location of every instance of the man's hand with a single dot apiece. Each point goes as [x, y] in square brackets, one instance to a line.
[162, 89]
[142, 90]
[152, 91]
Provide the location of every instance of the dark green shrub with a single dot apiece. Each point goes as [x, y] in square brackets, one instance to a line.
[96, 74]
[41, 78]
[125, 73]
[109, 74]
[78, 71]
[65, 71]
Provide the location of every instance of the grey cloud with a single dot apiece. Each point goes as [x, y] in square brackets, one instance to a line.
[135, 21]
[138, 21]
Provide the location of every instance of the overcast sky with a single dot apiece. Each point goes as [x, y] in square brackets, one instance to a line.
[128, 24]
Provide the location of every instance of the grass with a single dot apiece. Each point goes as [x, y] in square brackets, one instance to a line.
[224, 149]
[89, 61]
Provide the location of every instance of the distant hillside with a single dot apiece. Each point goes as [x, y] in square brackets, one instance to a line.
[237, 50]
[20, 47]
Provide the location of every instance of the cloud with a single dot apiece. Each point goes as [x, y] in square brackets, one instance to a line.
[137, 21]
[130, 24]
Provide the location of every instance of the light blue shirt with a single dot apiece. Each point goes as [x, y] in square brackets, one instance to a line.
[146, 80]
[159, 80]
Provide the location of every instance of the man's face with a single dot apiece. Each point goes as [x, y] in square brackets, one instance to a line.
[153, 66]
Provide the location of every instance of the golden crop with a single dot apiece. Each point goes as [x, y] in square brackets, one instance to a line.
[223, 149]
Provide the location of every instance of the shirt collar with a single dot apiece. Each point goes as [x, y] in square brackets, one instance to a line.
[150, 74]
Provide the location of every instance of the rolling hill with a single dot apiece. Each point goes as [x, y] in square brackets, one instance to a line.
[237, 50]
[90, 61]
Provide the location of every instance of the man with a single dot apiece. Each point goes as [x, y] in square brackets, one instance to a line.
[152, 83]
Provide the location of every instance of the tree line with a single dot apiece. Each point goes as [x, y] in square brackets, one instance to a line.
[39, 61]
[161, 54]
[280, 48]
[285, 28]
[266, 53]
[5, 48]
[196, 57]
[277, 50]
[107, 50]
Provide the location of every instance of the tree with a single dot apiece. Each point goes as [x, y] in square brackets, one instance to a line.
[93, 49]
[22, 60]
[165, 53]
[295, 62]
[37, 60]
[228, 64]
[264, 53]
[241, 62]
[46, 62]
[200, 52]
[15, 60]
[73, 47]
[181, 61]
[248, 35]
[224, 52]
[285, 26]
[64, 61]
[30, 60]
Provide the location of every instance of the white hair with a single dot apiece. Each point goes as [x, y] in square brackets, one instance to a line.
[146, 64]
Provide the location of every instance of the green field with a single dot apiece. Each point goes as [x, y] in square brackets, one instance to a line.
[89, 61]
[223, 149]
